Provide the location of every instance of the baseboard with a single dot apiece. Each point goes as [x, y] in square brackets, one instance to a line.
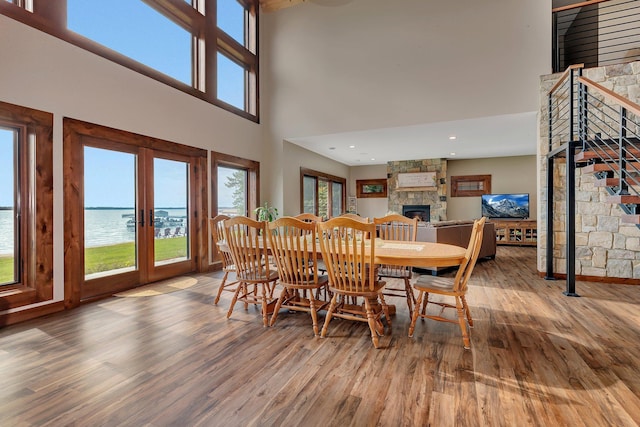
[30, 313]
[612, 280]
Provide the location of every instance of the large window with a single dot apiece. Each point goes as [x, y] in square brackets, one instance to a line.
[322, 194]
[26, 202]
[207, 48]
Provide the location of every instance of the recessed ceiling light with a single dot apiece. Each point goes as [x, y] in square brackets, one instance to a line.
[452, 154]
[352, 146]
[452, 137]
[373, 158]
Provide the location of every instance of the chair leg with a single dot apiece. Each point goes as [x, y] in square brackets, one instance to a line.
[467, 311]
[314, 313]
[235, 298]
[424, 304]
[411, 298]
[416, 313]
[463, 323]
[221, 288]
[327, 318]
[265, 318]
[385, 310]
[371, 321]
[276, 309]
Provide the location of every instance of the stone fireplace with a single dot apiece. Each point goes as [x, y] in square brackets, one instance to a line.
[433, 197]
[422, 212]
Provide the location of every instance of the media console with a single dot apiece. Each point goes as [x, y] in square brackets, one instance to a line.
[516, 231]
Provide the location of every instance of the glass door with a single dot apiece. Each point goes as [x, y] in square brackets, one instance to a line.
[137, 217]
[169, 215]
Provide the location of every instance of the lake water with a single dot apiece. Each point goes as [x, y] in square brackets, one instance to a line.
[103, 227]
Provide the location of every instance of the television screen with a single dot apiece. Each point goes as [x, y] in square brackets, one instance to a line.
[505, 205]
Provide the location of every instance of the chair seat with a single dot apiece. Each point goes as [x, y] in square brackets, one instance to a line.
[434, 284]
[322, 281]
[258, 276]
[376, 290]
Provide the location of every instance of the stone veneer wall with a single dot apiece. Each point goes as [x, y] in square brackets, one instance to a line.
[604, 246]
[397, 199]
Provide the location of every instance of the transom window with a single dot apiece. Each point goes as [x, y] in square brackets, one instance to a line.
[207, 48]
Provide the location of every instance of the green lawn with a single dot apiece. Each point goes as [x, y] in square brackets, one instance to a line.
[105, 258]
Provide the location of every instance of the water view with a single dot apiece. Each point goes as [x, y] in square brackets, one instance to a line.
[102, 226]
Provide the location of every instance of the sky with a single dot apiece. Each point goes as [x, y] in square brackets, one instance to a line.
[134, 29]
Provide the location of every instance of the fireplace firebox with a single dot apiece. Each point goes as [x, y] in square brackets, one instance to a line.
[422, 212]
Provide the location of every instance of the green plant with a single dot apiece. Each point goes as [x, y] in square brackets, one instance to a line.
[266, 212]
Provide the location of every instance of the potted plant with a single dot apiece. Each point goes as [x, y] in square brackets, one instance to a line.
[266, 212]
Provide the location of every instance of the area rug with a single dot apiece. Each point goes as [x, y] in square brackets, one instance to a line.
[160, 288]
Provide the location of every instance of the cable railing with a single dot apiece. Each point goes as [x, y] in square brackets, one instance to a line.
[562, 111]
[596, 33]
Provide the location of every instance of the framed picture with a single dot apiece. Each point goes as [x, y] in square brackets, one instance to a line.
[371, 188]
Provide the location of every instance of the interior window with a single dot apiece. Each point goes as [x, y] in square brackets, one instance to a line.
[9, 246]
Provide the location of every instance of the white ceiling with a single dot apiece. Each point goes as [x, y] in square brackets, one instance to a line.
[496, 136]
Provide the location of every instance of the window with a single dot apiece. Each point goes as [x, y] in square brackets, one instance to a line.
[26, 214]
[470, 185]
[134, 29]
[173, 42]
[234, 188]
[322, 194]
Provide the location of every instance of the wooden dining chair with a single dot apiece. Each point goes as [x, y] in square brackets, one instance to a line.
[308, 217]
[216, 225]
[354, 216]
[350, 264]
[401, 228]
[247, 242]
[295, 251]
[450, 287]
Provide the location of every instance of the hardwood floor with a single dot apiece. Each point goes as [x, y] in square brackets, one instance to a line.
[537, 358]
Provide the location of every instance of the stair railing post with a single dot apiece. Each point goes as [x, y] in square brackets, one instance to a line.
[570, 222]
[623, 186]
[550, 163]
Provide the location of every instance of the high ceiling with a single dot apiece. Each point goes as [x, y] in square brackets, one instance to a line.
[496, 136]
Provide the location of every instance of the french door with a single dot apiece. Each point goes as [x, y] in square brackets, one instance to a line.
[138, 220]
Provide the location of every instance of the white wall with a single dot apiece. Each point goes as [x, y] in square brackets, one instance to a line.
[295, 157]
[508, 175]
[380, 63]
[45, 73]
[369, 207]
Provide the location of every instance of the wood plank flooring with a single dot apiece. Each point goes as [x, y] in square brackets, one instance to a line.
[538, 358]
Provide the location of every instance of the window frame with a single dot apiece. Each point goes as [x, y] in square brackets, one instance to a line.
[482, 182]
[252, 168]
[321, 176]
[35, 169]
[50, 16]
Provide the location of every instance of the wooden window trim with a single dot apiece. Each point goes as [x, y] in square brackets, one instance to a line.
[361, 194]
[36, 279]
[457, 180]
[253, 188]
[326, 177]
[49, 16]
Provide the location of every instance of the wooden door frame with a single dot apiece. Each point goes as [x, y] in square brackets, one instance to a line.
[73, 175]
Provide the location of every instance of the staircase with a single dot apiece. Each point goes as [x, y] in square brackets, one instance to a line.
[593, 128]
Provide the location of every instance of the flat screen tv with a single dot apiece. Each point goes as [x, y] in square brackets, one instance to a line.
[505, 205]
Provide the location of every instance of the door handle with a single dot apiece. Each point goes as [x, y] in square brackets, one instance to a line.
[151, 218]
[141, 218]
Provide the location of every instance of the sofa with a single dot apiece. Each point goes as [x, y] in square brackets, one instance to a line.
[457, 233]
